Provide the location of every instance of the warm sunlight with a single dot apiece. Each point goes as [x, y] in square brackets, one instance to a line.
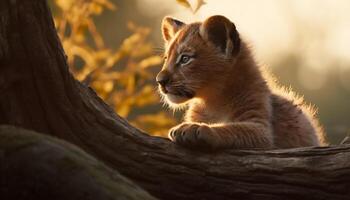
[305, 43]
[276, 27]
[174, 99]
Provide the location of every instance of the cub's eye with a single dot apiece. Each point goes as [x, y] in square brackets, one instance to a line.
[185, 59]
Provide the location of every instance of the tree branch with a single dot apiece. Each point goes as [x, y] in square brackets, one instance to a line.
[37, 92]
[60, 171]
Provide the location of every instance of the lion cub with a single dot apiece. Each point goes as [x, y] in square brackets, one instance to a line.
[211, 70]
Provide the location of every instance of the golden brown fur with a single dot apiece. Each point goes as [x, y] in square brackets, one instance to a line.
[230, 102]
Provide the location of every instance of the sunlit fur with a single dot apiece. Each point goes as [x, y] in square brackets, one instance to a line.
[235, 103]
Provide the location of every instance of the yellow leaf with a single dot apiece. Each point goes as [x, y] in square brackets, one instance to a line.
[64, 4]
[130, 87]
[193, 5]
[123, 110]
[123, 107]
[102, 54]
[150, 61]
[106, 4]
[199, 4]
[146, 96]
[79, 34]
[96, 8]
[108, 86]
[113, 76]
[142, 50]
[184, 3]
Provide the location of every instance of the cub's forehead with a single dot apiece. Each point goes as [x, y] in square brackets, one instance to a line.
[183, 38]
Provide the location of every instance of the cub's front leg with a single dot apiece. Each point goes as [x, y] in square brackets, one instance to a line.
[194, 135]
[239, 135]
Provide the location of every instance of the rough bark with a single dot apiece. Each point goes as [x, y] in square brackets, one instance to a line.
[37, 92]
[35, 166]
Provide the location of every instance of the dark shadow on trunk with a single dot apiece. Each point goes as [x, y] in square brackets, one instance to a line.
[37, 92]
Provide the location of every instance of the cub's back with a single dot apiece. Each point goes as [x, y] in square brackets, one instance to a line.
[294, 124]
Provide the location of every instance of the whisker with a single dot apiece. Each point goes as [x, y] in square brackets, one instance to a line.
[158, 50]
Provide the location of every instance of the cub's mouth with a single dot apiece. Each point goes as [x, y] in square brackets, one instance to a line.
[176, 95]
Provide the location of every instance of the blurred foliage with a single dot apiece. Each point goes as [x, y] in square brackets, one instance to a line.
[123, 77]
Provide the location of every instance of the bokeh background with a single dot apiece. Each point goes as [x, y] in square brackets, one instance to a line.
[114, 46]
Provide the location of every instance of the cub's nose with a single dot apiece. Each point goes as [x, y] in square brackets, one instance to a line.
[162, 78]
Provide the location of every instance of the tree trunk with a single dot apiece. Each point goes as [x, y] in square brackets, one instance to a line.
[61, 171]
[37, 92]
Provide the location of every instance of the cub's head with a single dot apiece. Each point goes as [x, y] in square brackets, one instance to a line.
[197, 57]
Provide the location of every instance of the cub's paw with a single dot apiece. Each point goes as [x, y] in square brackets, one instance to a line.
[193, 135]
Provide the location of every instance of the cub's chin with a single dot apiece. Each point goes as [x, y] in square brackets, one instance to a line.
[176, 99]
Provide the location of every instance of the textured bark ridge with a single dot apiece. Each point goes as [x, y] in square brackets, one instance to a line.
[35, 166]
[37, 92]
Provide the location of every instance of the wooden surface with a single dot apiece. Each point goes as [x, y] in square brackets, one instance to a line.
[37, 92]
[38, 167]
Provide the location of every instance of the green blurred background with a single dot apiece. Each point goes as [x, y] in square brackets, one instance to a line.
[306, 44]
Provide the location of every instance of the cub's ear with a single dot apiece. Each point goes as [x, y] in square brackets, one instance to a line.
[222, 33]
[169, 27]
